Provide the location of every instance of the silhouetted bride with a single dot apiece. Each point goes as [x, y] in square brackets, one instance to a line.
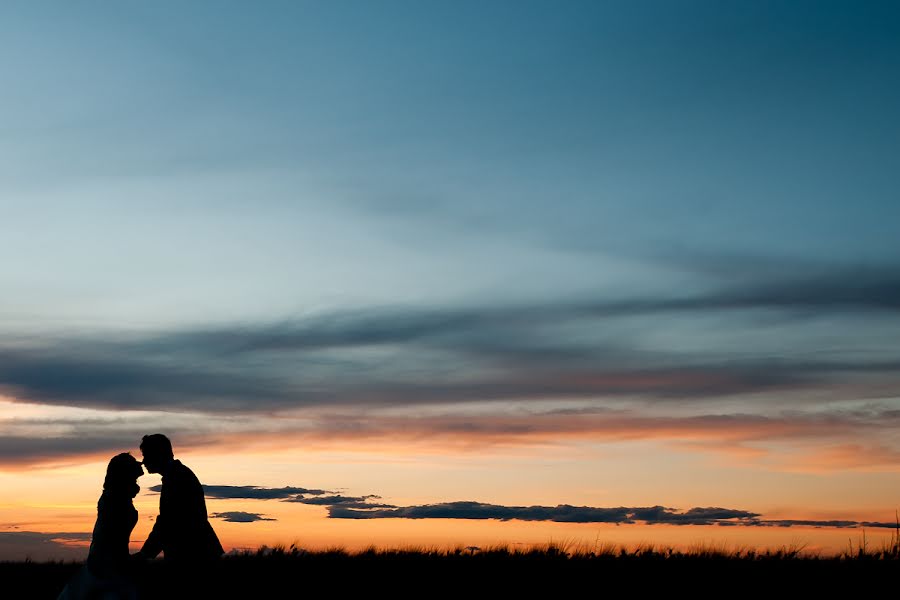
[106, 573]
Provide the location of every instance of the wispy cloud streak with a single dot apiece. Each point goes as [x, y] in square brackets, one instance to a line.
[836, 431]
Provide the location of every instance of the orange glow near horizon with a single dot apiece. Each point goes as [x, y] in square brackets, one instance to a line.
[36, 502]
[308, 527]
[661, 461]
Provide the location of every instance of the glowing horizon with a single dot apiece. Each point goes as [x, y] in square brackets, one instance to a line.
[426, 472]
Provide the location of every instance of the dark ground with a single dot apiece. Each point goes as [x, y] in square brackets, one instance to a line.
[485, 575]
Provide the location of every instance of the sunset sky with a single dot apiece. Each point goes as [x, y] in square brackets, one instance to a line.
[454, 273]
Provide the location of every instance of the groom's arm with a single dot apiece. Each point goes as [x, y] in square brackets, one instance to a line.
[153, 544]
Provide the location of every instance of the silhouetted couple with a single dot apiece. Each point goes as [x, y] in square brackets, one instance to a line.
[182, 531]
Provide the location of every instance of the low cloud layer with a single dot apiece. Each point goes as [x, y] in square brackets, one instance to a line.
[238, 516]
[367, 507]
[564, 513]
[17, 545]
[297, 495]
[254, 492]
[345, 501]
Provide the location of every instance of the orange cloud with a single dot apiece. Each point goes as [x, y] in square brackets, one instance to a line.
[465, 428]
[740, 436]
[854, 456]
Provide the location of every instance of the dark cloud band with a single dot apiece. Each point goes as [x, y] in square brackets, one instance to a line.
[506, 352]
[564, 513]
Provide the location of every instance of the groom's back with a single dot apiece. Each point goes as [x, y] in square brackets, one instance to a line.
[187, 535]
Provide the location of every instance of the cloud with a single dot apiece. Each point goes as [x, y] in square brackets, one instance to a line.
[252, 492]
[21, 451]
[703, 432]
[858, 456]
[18, 545]
[27, 441]
[299, 495]
[562, 513]
[345, 501]
[839, 524]
[135, 383]
[69, 375]
[862, 287]
[792, 285]
[342, 375]
[565, 513]
[693, 516]
[240, 517]
[259, 493]
[363, 507]
[836, 430]
[389, 356]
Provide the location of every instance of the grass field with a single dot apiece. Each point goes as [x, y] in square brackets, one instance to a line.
[551, 571]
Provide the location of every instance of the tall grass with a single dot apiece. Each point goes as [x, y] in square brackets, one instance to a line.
[600, 550]
[559, 568]
[889, 550]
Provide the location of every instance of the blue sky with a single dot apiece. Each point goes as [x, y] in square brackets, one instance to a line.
[164, 164]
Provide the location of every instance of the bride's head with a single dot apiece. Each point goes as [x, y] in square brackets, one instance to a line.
[121, 475]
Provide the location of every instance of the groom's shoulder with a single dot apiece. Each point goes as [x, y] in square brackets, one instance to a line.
[183, 473]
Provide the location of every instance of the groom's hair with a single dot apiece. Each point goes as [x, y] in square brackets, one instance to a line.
[158, 445]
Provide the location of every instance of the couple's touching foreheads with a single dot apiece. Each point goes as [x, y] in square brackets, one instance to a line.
[182, 532]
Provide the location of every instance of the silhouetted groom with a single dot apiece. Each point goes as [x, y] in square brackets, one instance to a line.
[182, 531]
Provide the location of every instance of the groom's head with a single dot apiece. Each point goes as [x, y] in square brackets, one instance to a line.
[157, 451]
